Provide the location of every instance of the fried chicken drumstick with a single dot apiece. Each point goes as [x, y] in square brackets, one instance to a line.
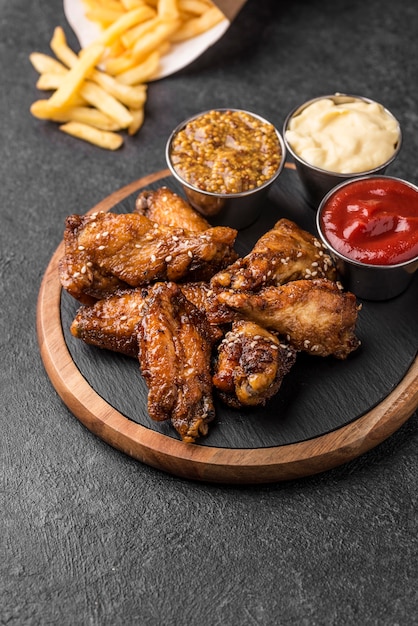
[108, 251]
[250, 365]
[314, 315]
[284, 253]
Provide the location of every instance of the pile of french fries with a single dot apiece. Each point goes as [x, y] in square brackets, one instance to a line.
[102, 90]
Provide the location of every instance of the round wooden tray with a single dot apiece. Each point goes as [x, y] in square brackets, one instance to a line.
[301, 453]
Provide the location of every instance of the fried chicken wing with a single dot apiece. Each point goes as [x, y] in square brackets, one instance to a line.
[165, 207]
[163, 286]
[175, 356]
[285, 253]
[314, 315]
[112, 323]
[250, 365]
[204, 297]
[107, 251]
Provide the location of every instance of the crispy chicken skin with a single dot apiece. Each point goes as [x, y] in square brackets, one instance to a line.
[163, 286]
[204, 297]
[167, 208]
[107, 251]
[250, 365]
[284, 253]
[112, 322]
[175, 359]
[314, 315]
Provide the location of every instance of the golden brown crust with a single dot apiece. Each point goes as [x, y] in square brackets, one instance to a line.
[107, 251]
[175, 354]
[204, 297]
[167, 208]
[315, 316]
[112, 322]
[147, 292]
[250, 365]
[284, 253]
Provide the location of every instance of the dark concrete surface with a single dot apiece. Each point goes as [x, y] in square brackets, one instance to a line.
[92, 537]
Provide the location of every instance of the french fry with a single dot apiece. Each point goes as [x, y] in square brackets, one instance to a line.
[44, 63]
[198, 25]
[113, 4]
[194, 7]
[142, 72]
[133, 35]
[123, 62]
[99, 98]
[42, 111]
[62, 51]
[92, 5]
[152, 40]
[131, 4]
[115, 49]
[92, 117]
[101, 138]
[130, 96]
[90, 93]
[49, 81]
[77, 74]
[103, 17]
[168, 9]
[103, 88]
[82, 114]
[138, 116]
[123, 23]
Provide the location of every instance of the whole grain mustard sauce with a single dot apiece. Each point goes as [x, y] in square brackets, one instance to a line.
[344, 137]
[226, 152]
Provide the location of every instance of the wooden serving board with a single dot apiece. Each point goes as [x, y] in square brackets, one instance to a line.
[327, 412]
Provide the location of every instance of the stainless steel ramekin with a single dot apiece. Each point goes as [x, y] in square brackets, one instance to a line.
[367, 281]
[316, 181]
[237, 210]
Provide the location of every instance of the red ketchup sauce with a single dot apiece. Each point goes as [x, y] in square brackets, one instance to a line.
[373, 220]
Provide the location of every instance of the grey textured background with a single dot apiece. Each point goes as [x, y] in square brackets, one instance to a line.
[91, 537]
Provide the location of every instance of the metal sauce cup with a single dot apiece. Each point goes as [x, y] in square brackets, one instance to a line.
[316, 181]
[237, 210]
[367, 281]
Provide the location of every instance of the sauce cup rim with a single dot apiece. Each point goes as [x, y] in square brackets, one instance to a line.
[344, 257]
[215, 194]
[351, 97]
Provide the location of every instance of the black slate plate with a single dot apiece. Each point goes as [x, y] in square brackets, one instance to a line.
[318, 396]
